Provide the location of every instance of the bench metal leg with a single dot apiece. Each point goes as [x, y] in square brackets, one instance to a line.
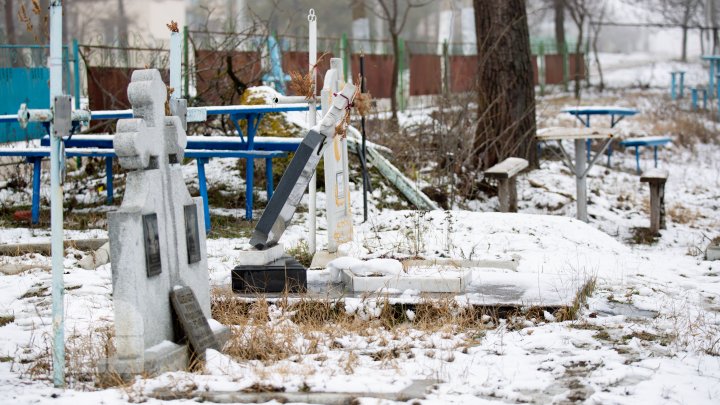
[609, 153]
[581, 179]
[513, 194]
[657, 207]
[109, 179]
[655, 154]
[694, 97]
[682, 84]
[504, 195]
[712, 75]
[673, 96]
[269, 177]
[202, 184]
[35, 209]
[588, 148]
[249, 179]
[637, 159]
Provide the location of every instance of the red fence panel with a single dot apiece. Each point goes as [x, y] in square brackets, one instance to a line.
[378, 72]
[425, 75]
[295, 61]
[463, 71]
[554, 68]
[107, 87]
[580, 60]
[214, 85]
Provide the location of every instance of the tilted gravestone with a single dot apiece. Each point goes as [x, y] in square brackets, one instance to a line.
[157, 237]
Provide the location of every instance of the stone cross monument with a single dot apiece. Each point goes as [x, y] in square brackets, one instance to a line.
[157, 236]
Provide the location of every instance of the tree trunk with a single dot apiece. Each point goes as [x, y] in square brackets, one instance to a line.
[506, 92]
[394, 80]
[684, 44]
[122, 32]
[578, 60]
[10, 22]
[601, 85]
[559, 6]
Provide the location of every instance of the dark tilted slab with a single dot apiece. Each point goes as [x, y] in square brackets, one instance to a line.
[192, 321]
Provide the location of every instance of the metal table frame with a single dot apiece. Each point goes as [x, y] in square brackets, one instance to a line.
[616, 114]
[581, 166]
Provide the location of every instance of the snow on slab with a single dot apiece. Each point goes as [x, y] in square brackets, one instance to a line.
[541, 244]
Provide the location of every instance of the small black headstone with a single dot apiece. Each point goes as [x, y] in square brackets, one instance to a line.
[192, 321]
[151, 237]
[192, 234]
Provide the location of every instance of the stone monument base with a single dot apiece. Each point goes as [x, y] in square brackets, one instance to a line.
[163, 357]
[283, 274]
[268, 271]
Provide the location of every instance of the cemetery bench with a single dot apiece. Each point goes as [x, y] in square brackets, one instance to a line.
[505, 173]
[580, 167]
[654, 141]
[656, 178]
[616, 114]
[673, 91]
[694, 92]
[204, 151]
[714, 68]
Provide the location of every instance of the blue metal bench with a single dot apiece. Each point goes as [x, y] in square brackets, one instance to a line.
[654, 141]
[199, 148]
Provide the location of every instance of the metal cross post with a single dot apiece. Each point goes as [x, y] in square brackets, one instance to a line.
[56, 194]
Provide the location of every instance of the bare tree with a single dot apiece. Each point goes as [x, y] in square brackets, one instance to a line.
[711, 13]
[559, 9]
[506, 92]
[10, 22]
[683, 13]
[395, 13]
[596, 24]
[579, 10]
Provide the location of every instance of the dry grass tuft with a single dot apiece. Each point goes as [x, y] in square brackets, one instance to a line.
[272, 331]
[571, 312]
[301, 84]
[680, 214]
[363, 103]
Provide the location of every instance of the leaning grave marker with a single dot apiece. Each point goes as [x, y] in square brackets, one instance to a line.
[157, 238]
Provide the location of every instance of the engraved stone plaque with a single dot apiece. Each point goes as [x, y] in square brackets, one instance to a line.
[192, 321]
[192, 234]
[151, 238]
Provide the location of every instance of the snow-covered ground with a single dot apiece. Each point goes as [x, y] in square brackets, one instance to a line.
[649, 333]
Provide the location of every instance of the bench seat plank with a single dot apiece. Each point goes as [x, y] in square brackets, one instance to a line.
[507, 168]
[561, 133]
[654, 175]
[646, 141]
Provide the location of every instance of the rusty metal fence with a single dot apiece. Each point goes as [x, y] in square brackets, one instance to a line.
[218, 65]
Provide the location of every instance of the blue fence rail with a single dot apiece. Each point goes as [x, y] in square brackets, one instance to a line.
[24, 78]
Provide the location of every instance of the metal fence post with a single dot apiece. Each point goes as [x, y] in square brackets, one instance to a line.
[76, 63]
[565, 65]
[56, 201]
[186, 71]
[540, 58]
[401, 73]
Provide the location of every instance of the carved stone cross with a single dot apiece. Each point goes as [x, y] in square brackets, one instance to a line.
[157, 236]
